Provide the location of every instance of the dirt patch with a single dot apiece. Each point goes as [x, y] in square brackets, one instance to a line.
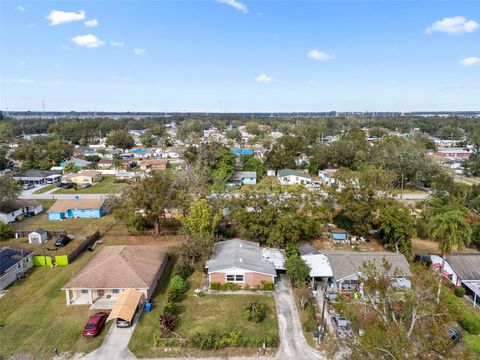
[372, 245]
[424, 246]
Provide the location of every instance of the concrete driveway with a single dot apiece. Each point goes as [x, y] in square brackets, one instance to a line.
[292, 342]
[115, 344]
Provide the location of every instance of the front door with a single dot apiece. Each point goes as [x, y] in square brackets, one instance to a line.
[100, 293]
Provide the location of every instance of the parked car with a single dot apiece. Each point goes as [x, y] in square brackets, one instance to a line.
[84, 186]
[342, 326]
[95, 324]
[28, 186]
[62, 241]
[122, 323]
[59, 184]
[67, 185]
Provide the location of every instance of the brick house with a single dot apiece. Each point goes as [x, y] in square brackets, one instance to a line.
[242, 262]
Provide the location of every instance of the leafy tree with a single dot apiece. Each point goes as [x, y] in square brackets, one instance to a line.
[177, 287]
[9, 189]
[6, 132]
[350, 150]
[452, 231]
[201, 221]
[59, 150]
[70, 167]
[147, 139]
[3, 157]
[234, 134]
[377, 132]
[297, 270]
[450, 132]
[120, 139]
[117, 164]
[396, 227]
[224, 168]
[255, 164]
[398, 323]
[152, 197]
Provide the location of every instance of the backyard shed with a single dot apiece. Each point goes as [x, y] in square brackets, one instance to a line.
[38, 236]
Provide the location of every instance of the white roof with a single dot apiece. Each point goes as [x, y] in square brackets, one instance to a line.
[319, 265]
[275, 256]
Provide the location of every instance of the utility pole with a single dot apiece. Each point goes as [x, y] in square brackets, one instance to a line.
[322, 326]
[401, 193]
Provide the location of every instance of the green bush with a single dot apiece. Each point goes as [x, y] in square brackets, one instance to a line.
[170, 308]
[177, 288]
[459, 291]
[255, 311]
[5, 231]
[310, 323]
[214, 340]
[215, 286]
[267, 286]
[183, 270]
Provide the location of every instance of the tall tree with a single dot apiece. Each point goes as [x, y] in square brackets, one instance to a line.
[202, 220]
[396, 227]
[452, 231]
[9, 189]
[120, 139]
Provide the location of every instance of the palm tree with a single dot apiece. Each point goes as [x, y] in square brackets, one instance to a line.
[452, 231]
[117, 164]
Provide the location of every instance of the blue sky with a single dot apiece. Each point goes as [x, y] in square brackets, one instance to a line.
[235, 55]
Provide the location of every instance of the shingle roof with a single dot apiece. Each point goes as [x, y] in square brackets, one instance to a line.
[64, 205]
[125, 266]
[287, 172]
[347, 263]
[466, 266]
[307, 249]
[87, 173]
[10, 206]
[34, 173]
[241, 254]
[40, 231]
[239, 175]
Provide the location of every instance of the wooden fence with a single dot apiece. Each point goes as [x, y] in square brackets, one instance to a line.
[89, 241]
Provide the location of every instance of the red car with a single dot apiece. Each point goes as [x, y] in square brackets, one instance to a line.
[95, 324]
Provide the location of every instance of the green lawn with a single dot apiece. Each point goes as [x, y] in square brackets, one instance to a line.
[223, 313]
[45, 189]
[35, 319]
[106, 186]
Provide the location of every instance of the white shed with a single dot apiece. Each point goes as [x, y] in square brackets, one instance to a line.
[37, 236]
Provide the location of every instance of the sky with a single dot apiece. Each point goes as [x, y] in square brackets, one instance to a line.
[240, 56]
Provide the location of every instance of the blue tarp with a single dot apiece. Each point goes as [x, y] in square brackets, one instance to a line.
[337, 236]
[242, 151]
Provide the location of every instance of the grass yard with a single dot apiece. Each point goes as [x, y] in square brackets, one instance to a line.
[77, 227]
[223, 313]
[35, 319]
[45, 189]
[108, 185]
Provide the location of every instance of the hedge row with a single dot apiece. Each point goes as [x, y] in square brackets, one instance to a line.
[213, 340]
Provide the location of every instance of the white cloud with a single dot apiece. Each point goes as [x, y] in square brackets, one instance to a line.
[453, 26]
[20, 8]
[138, 51]
[263, 79]
[319, 55]
[470, 61]
[235, 4]
[91, 23]
[57, 17]
[117, 43]
[89, 41]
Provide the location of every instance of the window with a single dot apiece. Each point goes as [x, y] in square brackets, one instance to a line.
[84, 291]
[115, 291]
[234, 278]
[27, 259]
[19, 265]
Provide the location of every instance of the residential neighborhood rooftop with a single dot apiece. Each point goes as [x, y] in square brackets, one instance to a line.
[466, 266]
[64, 205]
[288, 172]
[10, 256]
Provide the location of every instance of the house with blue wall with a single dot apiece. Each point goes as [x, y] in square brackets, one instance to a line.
[240, 178]
[77, 208]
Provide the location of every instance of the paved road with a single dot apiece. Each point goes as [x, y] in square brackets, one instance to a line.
[29, 194]
[292, 342]
[413, 196]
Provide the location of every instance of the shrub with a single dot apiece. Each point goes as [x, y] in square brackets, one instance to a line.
[5, 231]
[267, 286]
[178, 287]
[255, 311]
[215, 286]
[215, 340]
[170, 308]
[183, 270]
[459, 291]
[297, 270]
[231, 286]
[472, 343]
[167, 322]
[310, 323]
